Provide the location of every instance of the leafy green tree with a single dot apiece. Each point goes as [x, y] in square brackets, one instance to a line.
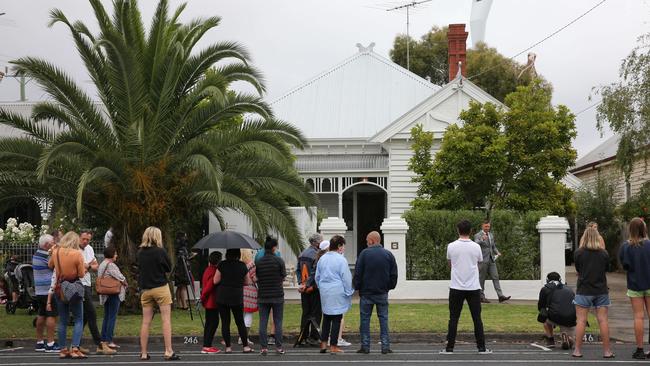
[500, 158]
[596, 203]
[168, 140]
[486, 67]
[625, 107]
[428, 55]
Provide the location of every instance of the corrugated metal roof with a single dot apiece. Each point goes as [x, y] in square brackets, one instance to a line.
[606, 150]
[354, 99]
[331, 162]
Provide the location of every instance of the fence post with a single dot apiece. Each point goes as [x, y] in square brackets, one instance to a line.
[552, 238]
[394, 230]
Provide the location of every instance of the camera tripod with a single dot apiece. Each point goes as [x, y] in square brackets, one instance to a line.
[183, 264]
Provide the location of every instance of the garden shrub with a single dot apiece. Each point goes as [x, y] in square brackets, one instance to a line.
[430, 231]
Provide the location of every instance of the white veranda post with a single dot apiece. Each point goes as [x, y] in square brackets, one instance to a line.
[552, 239]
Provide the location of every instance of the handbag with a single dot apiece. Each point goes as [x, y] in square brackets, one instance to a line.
[107, 285]
[68, 291]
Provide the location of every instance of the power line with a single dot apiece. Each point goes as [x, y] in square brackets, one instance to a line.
[588, 108]
[547, 37]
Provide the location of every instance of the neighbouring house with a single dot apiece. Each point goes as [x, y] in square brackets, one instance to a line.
[601, 163]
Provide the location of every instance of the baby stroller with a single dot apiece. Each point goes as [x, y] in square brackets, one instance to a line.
[20, 277]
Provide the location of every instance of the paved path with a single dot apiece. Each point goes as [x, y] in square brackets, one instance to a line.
[510, 354]
[620, 313]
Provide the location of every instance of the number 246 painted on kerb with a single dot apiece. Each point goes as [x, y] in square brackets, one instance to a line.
[191, 340]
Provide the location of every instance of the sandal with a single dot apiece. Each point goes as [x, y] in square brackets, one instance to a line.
[147, 358]
[611, 355]
[249, 350]
[173, 357]
[576, 356]
[279, 351]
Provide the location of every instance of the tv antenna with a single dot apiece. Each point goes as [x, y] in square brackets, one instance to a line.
[408, 7]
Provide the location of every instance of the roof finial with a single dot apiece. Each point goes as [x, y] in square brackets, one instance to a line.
[459, 74]
[368, 49]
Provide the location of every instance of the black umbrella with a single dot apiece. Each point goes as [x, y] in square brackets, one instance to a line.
[227, 240]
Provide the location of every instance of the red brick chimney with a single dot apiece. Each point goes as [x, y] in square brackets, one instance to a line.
[457, 38]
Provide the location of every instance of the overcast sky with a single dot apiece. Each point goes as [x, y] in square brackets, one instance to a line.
[293, 40]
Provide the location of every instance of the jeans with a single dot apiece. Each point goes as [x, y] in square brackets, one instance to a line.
[90, 315]
[238, 314]
[111, 306]
[331, 327]
[366, 304]
[77, 312]
[211, 325]
[489, 269]
[278, 310]
[311, 309]
[456, 299]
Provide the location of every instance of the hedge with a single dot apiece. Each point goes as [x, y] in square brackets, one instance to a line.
[430, 231]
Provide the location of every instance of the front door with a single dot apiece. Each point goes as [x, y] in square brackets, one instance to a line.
[371, 208]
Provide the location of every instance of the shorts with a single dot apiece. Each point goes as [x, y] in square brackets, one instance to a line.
[589, 301]
[156, 296]
[41, 300]
[563, 329]
[632, 293]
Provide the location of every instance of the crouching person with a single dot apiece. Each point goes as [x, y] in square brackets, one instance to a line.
[556, 309]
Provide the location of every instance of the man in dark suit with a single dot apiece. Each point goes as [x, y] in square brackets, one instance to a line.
[488, 267]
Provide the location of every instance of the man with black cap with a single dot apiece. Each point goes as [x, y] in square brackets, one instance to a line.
[556, 309]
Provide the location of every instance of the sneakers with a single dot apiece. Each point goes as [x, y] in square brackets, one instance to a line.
[386, 351]
[210, 350]
[639, 354]
[566, 341]
[336, 350]
[264, 352]
[249, 342]
[485, 351]
[549, 342]
[53, 348]
[363, 350]
[343, 343]
[40, 347]
[446, 351]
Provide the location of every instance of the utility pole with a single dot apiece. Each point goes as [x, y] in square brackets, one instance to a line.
[408, 6]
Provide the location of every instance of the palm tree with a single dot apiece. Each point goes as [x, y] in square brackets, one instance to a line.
[162, 144]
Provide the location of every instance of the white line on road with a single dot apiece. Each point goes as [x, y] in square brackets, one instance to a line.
[11, 349]
[540, 347]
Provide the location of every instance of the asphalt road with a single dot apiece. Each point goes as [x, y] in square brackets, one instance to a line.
[510, 354]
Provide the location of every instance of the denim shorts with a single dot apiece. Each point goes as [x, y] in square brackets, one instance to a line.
[588, 301]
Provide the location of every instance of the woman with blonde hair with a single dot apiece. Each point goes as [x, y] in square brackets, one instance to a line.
[635, 258]
[153, 267]
[592, 262]
[68, 264]
[250, 291]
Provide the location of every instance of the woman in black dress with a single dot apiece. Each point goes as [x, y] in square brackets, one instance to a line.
[232, 275]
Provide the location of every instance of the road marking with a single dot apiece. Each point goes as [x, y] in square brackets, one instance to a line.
[11, 349]
[540, 347]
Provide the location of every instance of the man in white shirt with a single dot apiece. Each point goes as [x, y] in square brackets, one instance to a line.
[464, 256]
[90, 315]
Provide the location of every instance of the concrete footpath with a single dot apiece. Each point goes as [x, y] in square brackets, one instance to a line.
[620, 312]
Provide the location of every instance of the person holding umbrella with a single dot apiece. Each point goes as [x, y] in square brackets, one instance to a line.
[231, 276]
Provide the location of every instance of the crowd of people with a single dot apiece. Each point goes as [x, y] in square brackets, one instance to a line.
[242, 283]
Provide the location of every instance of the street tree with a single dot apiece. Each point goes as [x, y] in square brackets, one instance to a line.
[506, 158]
[625, 107]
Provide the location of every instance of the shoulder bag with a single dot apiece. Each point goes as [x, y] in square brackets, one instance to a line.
[107, 285]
